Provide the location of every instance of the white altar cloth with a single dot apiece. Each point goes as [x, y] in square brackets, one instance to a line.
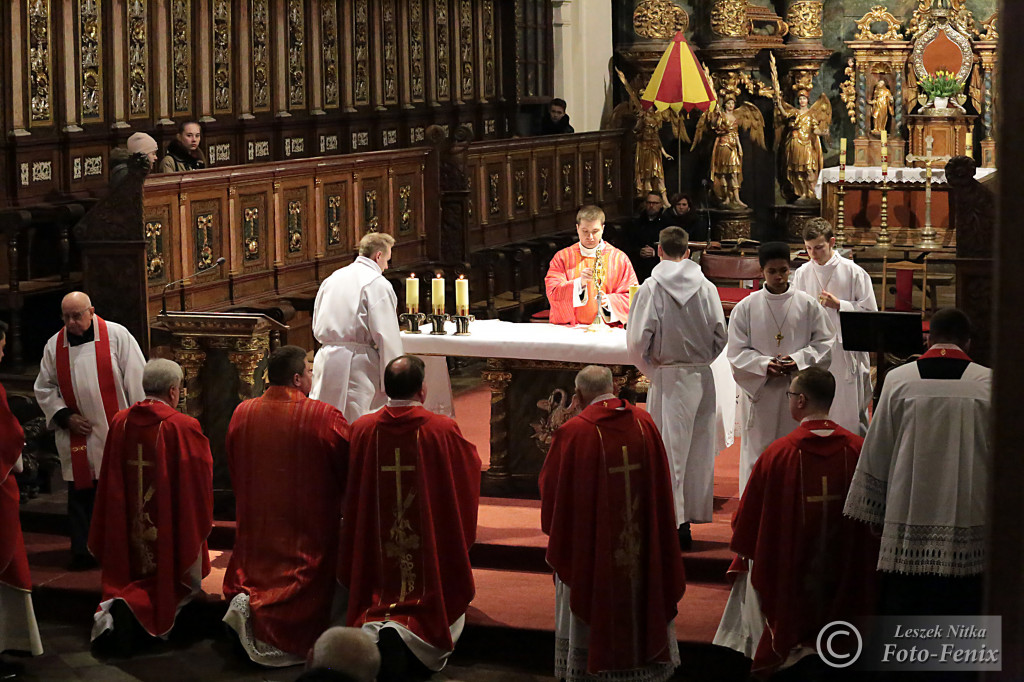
[548, 342]
[897, 175]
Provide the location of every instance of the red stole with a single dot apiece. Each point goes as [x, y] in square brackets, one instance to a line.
[948, 353]
[606, 496]
[410, 518]
[13, 560]
[154, 511]
[811, 565]
[108, 391]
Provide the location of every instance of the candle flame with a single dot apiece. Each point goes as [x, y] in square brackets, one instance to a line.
[462, 277]
[412, 275]
[439, 276]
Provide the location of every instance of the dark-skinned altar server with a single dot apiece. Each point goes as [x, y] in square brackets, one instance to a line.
[288, 456]
[606, 505]
[90, 369]
[798, 558]
[410, 519]
[355, 318]
[18, 628]
[773, 333]
[839, 284]
[570, 284]
[154, 511]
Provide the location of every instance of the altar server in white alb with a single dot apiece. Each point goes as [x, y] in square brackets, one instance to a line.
[676, 329]
[923, 475]
[90, 370]
[773, 333]
[355, 319]
[839, 284]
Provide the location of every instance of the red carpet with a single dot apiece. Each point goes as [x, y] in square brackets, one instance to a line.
[514, 585]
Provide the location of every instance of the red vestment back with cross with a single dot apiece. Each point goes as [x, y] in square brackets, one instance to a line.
[811, 565]
[606, 503]
[411, 505]
[154, 511]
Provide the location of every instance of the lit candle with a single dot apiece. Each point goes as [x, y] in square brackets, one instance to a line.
[969, 144]
[437, 295]
[412, 293]
[885, 137]
[462, 296]
[633, 288]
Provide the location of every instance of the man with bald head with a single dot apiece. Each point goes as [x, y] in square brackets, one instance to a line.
[410, 518]
[606, 506]
[90, 369]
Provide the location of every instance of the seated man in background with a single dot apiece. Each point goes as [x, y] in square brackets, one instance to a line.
[410, 519]
[606, 505]
[555, 121]
[287, 455]
[643, 237]
[154, 511]
[681, 214]
[798, 558]
[571, 284]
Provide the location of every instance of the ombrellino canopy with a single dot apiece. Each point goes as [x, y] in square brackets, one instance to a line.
[679, 82]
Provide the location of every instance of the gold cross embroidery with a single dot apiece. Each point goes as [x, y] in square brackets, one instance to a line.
[139, 464]
[625, 469]
[398, 469]
[824, 498]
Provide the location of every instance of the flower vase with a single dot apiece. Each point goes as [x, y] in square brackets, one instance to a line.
[941, 103]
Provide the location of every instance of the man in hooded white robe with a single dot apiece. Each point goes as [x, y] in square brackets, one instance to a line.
[355, 318]
[676, 330]
[773, 333]
[839, 284]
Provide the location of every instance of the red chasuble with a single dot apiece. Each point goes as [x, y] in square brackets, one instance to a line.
[13, 560]
[567, 265]
[287, 455]
[410, 519]
[606, 495]
[811, 565]
[154, 511]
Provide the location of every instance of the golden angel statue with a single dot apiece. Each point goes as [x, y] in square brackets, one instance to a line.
[881, 107]
[798, 128]
[648, 169]
[725, 122]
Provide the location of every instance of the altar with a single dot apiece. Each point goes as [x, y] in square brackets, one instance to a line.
[906, 203]
[530, 371]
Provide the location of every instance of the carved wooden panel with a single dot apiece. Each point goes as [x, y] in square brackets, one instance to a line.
[568, 182]
[408, 204]
[338, 216]
[207, 239]
[296, 49]
[40, 43]
[259, 23]
[137, 38]
[361, 52]
[223, 58]
[161, 250]
[90, 59]
[181, 57]
[521, 203]
[298, 220]
[329, 47]
[547, 182]
[373, 200]
[255, 217]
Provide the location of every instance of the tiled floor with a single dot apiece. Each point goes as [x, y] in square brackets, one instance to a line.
[67, 658]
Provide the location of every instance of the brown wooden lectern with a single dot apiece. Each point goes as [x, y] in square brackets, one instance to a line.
[224, 357]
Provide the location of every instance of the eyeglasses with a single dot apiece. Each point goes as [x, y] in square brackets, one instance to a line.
[790, 394]
[75, 316]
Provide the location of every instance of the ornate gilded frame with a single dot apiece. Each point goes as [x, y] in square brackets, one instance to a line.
[958, 39]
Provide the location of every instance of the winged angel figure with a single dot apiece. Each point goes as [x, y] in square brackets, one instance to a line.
[798, 127]
[726, 122]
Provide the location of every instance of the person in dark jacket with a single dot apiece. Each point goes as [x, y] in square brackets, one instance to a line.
[680, 213]
[556, 121]
[183, 153]
[643, 237]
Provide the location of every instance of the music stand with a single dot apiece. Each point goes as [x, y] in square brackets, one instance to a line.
[880, 333]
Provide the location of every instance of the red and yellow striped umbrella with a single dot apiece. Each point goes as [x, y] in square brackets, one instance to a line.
[679, 82]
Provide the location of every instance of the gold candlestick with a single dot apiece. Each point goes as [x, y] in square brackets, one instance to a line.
[840, 231]
[883, 232]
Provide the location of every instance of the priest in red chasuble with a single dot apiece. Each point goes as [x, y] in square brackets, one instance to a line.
[18, 628]
[808, 564]
[576, 271]
[606, 496]
[287, 455]
[410, 519]
[153, 513]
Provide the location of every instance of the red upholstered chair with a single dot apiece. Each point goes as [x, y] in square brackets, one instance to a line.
[904, 274]
[721, 269]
